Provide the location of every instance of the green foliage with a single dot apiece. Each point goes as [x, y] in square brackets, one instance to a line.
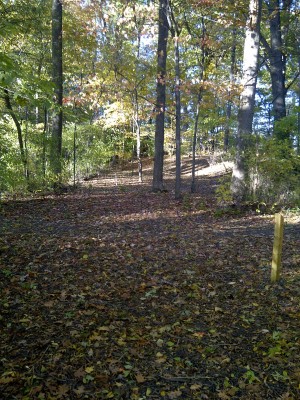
[93, 148]
[287, 127]
[109, 75]
[187, 202]
[223, 191]
[274, 173]
[11, 170]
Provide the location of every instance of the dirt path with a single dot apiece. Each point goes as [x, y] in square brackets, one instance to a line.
[116, 292]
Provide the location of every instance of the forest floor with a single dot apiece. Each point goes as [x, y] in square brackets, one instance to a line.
[116, 292]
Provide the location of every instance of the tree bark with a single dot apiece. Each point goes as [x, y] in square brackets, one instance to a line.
[178, 119]
[163, 29]
[298, 114]
[277, 67]
[247, 100]
[202, 65]
[232, 80]
[137, 129]
[57, 77]
[193, 184]
[277, 63]
[19, 131]
[136, 111]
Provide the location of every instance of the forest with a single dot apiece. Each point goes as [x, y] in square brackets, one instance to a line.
[86, 83]
[145, 147]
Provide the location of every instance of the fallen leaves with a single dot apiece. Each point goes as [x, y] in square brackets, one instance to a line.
[131, 295]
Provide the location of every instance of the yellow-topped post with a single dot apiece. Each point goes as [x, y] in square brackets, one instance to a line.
[277, 248]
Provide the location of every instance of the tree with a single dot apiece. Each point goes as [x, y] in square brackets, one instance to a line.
[232, 81]
[19, 131]
[57, 77]
[247, 100]
[18, 77]
[110, 59]
[203, 61]
[163, 30]
[277, 60]
[175, 31]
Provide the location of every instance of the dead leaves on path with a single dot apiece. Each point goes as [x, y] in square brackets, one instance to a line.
[134, 296]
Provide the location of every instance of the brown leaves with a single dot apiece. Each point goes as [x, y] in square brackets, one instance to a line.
[133, 294]
[62, 391]
[140, 378]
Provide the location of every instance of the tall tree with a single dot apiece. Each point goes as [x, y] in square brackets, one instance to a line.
[139, 25]
[175, 31]
[57, 77]
[203, 57]
[277, 60]
[247, 100]
[163, 30]
[232, 81]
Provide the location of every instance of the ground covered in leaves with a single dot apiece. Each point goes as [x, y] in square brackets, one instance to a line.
[115, 292]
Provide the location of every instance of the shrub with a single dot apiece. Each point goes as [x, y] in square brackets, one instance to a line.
[274, 173]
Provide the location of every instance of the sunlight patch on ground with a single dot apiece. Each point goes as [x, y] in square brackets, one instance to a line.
[219, 168]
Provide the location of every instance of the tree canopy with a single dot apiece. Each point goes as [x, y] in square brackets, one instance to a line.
[109, 75]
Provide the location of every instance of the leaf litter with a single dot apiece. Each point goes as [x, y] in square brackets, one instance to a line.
[115, 292]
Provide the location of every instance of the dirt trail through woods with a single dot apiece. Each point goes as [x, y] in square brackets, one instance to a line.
[116, 292]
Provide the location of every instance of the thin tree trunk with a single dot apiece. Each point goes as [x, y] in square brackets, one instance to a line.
[193, 185]
[136, 111]
[178, 120]
[163, 30]
[202, 65]
[45, 130]
[57, 77]
[19, 132]
[137, 129]
[175, 30]
[232, 79]
[26, 142]
[298, 114]
[247, 100]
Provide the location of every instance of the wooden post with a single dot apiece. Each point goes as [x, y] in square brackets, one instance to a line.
[277, 248]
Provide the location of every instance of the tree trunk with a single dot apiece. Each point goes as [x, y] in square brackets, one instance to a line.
[277, 67]
[57, 77]
[193, 185]
[232, 80]
[137, 129]
[298, 113]
[45, 131]
[178, 120]
[19, 131]
[136, 111]
[247, 100]
[163, 30]
[277, 63]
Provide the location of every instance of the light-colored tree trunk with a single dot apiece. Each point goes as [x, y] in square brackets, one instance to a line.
[136, 117]
[137, 130]
[199, 100]
[163, 30]
[247, 100]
